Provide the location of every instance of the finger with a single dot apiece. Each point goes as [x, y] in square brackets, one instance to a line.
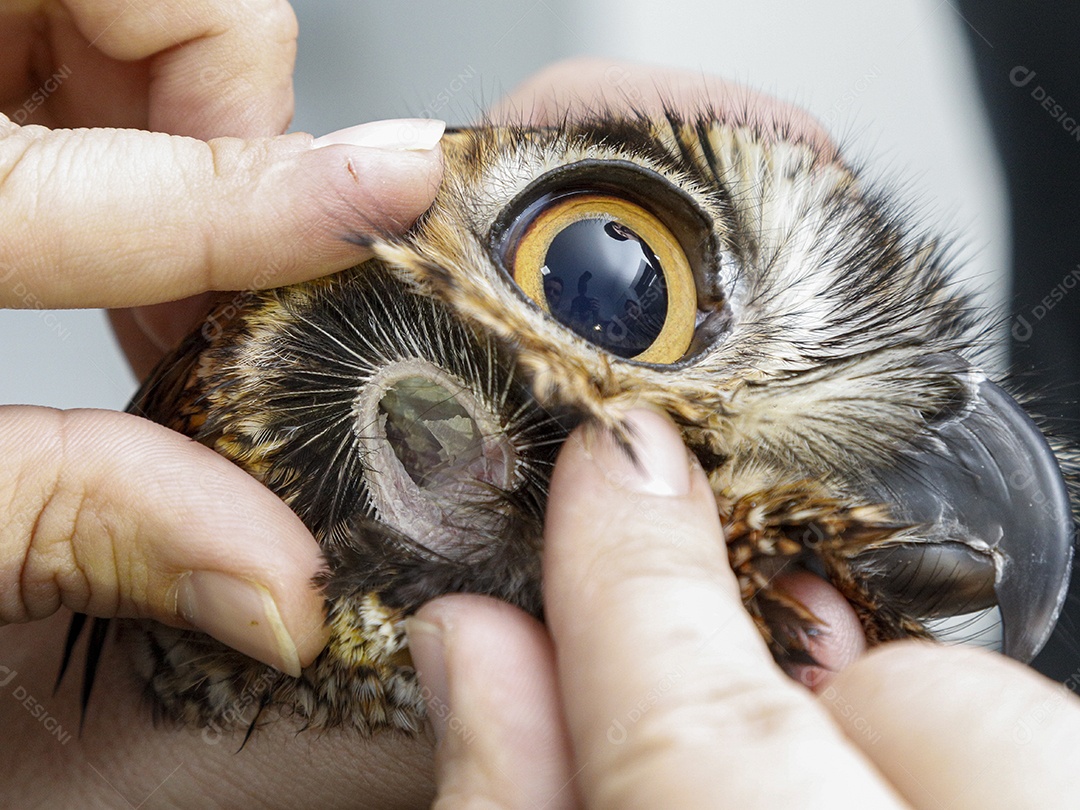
[586, 87]
[488, 675]
[111, 515]
[836, 641]
[961, 728]
[99, 218]
[218, 68]
[671, 696]
[167, 324]
[141, 352]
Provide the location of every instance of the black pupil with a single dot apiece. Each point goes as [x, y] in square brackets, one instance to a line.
[603, 281]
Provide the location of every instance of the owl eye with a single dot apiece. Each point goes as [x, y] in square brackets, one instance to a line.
[610, 271]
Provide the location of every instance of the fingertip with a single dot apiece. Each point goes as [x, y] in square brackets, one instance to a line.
[461, 639]
[837, 641]
[649, 459]
[247, 567]
[578, 87]
[240, 562]
[915, 665]
[622, 513]
[240, 613]
[366, 192]
[247, 563]
[488, 676]
[258, 595]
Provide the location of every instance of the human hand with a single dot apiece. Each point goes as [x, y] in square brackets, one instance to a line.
[106, 513]
[654, 688]
[109, 514]
[165, 218]
[581, 88]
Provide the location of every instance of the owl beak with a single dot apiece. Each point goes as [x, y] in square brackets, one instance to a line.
[986, 478]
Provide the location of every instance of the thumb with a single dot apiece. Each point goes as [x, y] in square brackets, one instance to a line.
[671, 696]
[487, 674]
[111, 515]
[112, 218]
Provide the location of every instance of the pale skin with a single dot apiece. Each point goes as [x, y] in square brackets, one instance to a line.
[649, 687]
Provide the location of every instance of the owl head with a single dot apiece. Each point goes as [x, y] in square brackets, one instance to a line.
[813, 349]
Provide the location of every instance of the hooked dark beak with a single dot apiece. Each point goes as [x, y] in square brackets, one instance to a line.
[982, 481]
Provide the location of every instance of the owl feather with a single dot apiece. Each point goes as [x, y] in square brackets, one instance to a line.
[409, 410]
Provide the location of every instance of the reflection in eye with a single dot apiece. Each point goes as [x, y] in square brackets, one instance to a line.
[613, 273]
[624, 303]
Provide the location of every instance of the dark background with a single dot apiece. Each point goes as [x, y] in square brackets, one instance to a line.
[1040, 151]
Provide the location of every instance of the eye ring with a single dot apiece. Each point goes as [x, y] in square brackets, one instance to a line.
[623, 221]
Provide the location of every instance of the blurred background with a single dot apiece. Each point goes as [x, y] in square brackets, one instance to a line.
[895, 85]
[898, 85]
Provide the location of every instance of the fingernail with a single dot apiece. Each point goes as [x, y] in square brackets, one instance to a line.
[400, 134]
[429, 658]
[656, 463]
[241, 614]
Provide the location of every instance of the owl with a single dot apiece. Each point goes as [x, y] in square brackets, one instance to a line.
[814, 350]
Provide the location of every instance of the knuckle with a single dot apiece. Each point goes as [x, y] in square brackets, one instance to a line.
[16, 146]
[32, 486]
[129, 31]
[765, 710]
[52, 552]
[44, 562]
[257, 36]
[234, 169]
[257, 19]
